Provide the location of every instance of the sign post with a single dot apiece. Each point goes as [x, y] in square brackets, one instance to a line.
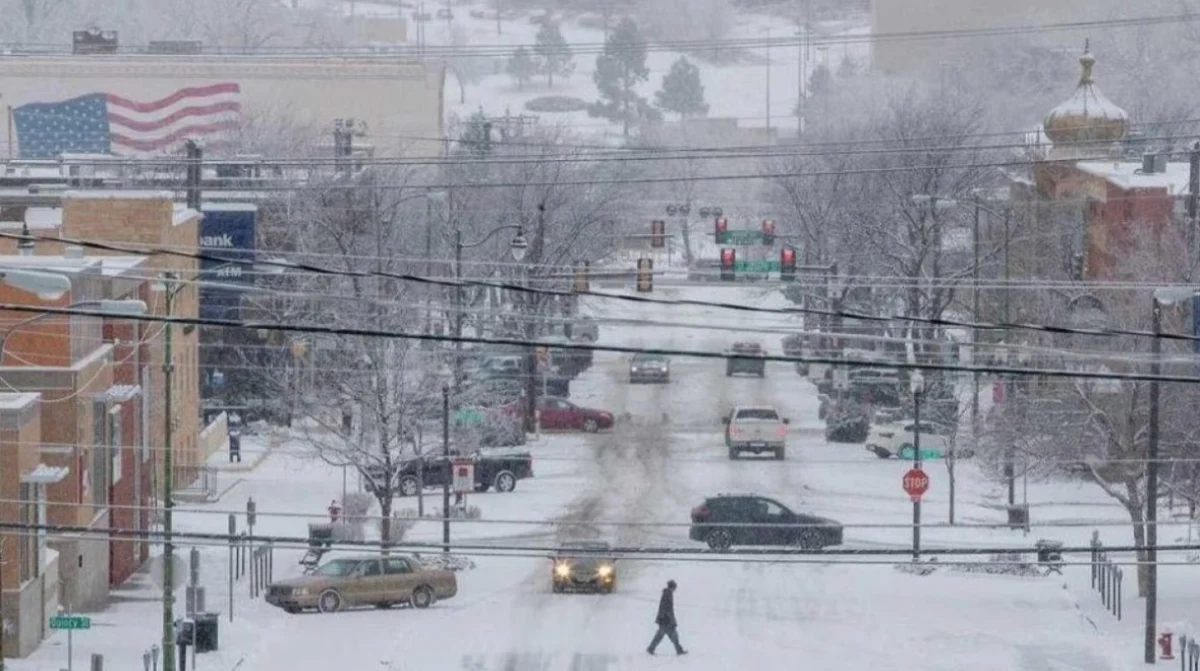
[463, 481]
[70, 623]
[916, 483]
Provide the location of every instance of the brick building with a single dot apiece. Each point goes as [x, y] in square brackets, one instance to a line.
[149, 218]
[92, 411]
[29, 573]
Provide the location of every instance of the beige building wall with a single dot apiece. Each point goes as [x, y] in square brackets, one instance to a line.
[906, 17]
[397, 100]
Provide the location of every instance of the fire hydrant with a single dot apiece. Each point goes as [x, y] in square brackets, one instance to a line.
[334, 511]
[1165, 646]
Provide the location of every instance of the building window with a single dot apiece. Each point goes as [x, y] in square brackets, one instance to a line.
[114, 443]
[100, 459]
[29, 542]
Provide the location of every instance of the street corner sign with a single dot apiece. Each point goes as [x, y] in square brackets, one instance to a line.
[916, 483]
[70, 622]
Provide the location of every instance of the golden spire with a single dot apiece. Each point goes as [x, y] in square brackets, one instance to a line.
[1087, 61]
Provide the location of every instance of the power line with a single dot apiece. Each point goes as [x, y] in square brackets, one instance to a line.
[285, 265]
[703, 354]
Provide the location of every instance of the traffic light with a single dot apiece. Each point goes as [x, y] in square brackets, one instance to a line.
[787, 264]
[768, 232]
[658, 233]
[645, 275]
[728, 262]
[721, 227]
[581, 280]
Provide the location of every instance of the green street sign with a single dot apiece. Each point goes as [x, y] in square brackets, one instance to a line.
[742, 237]
[927, 454]
[756, 266]
[468, 417]
[70, 622]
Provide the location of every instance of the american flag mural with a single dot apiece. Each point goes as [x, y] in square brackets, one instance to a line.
[106, 123]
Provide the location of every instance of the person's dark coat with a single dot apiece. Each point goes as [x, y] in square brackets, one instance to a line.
[666, 609]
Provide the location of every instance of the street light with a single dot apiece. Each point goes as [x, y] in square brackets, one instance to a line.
[917, 385]
[47, 286]
[517, 248]
[1162, 296]
[115, 308]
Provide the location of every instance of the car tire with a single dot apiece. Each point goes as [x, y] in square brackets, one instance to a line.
[329, 601]
[409, 486]
[719, 539]
[809, 540]
[590, 425]
[733, 453]
[505, 482]
[781, 453]
[422, 597]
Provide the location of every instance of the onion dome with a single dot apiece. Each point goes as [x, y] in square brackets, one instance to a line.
[1087, 116]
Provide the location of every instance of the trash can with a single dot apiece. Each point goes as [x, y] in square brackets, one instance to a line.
[1018, 516]
[206, 631]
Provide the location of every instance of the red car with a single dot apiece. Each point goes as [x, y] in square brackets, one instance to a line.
[558, 413]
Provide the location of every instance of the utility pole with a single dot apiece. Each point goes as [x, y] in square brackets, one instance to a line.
[194, 175]
[975, 331]
[1010, 473]
[459, 307]
[168, 596]
[768, 82]
[1152, 486]
[449, 468]
[1193, 201]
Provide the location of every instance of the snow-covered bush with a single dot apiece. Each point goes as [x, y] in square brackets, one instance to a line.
[356, 505]
[401, 523]
[460, 513]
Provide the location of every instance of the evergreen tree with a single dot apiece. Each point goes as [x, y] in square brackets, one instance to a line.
[476, 137]
[521, 66]
[620, 68]
[821, 80]
[682, 92]
[552, 49]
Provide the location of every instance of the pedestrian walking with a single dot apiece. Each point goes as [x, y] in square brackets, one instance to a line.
[667, 625]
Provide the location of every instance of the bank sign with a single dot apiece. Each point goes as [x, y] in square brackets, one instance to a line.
[227, 231]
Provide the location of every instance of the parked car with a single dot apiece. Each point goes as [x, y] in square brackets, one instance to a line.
[645, 367]
[501, 470]
[748, 519]
[746, 357]
[583, 328]
[897, 439]
[367, 580]
[584, 566]
[755, 429]
[560, 414]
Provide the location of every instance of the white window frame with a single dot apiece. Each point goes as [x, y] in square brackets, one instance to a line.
[114, 443]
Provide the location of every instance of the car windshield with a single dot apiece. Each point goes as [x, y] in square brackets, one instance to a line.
[757, 413]
[339, 567]
[746, 347]
[649, 358]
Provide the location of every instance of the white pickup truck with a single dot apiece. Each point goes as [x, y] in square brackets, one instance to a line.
[757, 429]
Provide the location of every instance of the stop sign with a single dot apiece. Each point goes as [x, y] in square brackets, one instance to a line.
[916, 483]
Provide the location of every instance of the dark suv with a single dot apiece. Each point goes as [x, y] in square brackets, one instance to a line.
[746, 357]
[748, 519]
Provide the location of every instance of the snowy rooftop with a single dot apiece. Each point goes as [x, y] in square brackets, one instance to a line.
[17, 400]
[108, 265]
[1129, 175]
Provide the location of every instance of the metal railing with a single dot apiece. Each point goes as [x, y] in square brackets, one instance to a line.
[1107, 577]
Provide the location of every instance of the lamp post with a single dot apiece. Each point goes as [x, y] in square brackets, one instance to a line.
[917, 384]
[48, 287]
[170, 286]
[517, 248]
[1162, 296]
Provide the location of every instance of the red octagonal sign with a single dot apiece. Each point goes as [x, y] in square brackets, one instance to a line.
[916, 483]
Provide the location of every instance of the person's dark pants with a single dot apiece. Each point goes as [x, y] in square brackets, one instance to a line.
[670, 632]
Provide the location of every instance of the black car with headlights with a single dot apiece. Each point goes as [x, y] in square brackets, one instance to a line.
[644, 367]
[584, 566]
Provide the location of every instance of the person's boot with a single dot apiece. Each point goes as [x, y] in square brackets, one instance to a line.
[649, 651]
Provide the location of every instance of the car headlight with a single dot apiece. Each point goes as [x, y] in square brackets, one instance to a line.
[605, 571]
[562, 570]
[634, 369]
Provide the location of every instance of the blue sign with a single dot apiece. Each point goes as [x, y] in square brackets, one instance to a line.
[227, 231]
